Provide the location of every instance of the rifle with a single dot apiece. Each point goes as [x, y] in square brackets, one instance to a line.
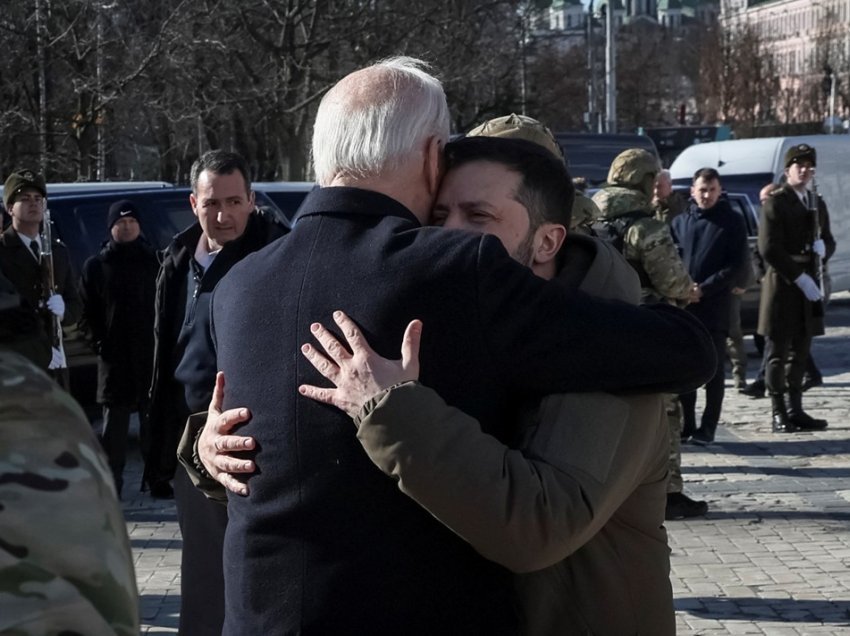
[49, 283]
[817, 308]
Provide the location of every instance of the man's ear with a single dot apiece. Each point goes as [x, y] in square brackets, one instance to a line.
[548, 241]
[433, 164]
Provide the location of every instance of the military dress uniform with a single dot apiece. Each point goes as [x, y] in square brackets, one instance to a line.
[23, 264]
[786, 318]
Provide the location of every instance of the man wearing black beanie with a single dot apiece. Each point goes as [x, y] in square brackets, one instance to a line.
[118, 289]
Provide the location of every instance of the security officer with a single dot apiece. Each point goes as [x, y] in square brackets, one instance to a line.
[118, 288]
[625, 204]
[23, 263]
[794, 237]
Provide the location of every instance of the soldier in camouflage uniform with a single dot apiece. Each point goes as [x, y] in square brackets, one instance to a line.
[65, 561]
[625, 202]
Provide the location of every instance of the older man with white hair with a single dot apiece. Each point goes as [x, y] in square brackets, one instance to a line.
[323, 542]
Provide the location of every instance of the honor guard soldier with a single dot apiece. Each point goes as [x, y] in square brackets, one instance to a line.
[795, 241]
[25, 260]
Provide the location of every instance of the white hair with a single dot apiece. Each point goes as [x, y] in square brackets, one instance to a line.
[374, 117]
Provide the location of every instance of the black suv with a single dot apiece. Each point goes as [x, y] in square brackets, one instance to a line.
[79, 220]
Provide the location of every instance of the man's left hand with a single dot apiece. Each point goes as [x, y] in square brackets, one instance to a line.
[215, 443]
[819, 248]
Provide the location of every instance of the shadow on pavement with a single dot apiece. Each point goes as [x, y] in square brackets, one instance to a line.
[797, 447]
[803, 472]
[159, 610]
[156, 544]
[758, 516]
[778, 609]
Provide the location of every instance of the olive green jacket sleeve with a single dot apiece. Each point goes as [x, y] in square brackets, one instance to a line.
[187, 454]
[525, 509]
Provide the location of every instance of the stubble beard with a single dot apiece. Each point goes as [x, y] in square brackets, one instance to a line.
[524, 253]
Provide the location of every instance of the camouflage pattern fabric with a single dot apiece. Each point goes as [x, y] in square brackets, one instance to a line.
[648, 245]
[583, 215]
[673, 408]
[65, 561]
[635, 169]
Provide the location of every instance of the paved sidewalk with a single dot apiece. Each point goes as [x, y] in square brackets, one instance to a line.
[772, 556]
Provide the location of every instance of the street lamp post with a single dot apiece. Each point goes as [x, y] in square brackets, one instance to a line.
[591, 70]
[610, 71]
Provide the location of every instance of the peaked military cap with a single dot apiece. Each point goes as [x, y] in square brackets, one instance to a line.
[800, 152]
[21, 179]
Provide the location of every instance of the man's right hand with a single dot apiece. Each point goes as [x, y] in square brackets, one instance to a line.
[361, 374]
[694, 293]
[215, 443]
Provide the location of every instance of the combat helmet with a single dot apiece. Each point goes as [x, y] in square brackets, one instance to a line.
[515, 126]
[636, 169]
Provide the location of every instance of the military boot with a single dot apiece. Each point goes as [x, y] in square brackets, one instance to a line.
[798, 417]
[754, 390]
[781, 423]
[811, 380]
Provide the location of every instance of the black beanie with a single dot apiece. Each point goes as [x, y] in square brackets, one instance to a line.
[119, 210]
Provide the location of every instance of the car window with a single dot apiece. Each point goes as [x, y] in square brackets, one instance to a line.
[288, 202]
[166, 216]
[81, 227]
[740, 204]
[80, 222]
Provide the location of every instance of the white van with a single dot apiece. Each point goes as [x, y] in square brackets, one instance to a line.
[746, 165]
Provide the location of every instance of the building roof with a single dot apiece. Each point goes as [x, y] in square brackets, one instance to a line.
[617, 4]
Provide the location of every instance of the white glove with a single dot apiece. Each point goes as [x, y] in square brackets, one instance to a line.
[56, 305]
[809, 287]
[58, 360]
[819, 248]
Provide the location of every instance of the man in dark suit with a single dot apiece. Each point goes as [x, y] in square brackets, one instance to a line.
[228, 228]
[794, 236]
[324, 543]
[713, 242]
[23, 262]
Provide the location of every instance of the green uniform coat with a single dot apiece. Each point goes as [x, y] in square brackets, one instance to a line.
[22, 270]
[786, 233]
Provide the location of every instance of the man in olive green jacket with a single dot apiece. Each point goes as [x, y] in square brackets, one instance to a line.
[577, 510]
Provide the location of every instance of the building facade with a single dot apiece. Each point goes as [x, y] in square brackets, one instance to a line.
[565, 15]
[807, 39]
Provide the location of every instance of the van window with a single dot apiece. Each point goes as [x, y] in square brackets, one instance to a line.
[80, 222]
[739, 203]
[590, 155]
[288, 202]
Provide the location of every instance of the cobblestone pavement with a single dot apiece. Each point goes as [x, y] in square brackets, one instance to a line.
[771, 557]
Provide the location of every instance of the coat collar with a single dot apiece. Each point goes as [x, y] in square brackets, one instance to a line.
[11, 238]
[345, 200]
